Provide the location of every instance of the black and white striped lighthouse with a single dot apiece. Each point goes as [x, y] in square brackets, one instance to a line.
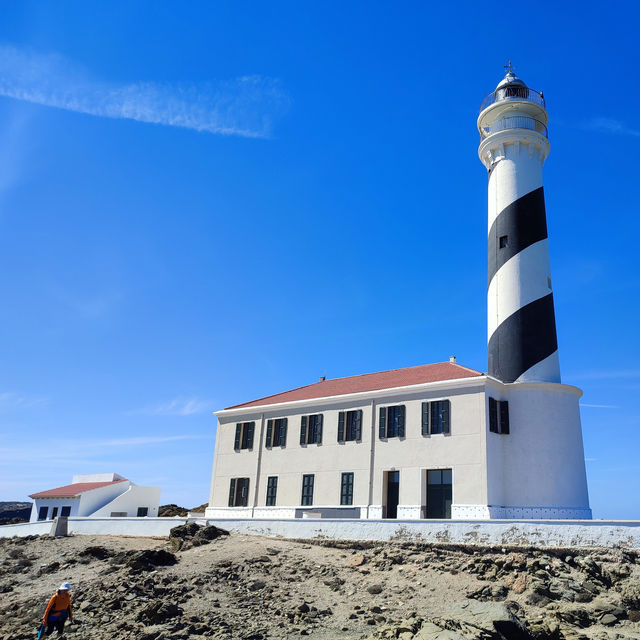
[522, 341]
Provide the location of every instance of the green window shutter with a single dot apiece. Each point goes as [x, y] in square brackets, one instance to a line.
[446, 416]
[303, 430]
[359, 424]
[504, 416]
[341, 426]
[251, 426]
[244, 492]
[425, 418]
[382, 424]
[283, 432]
[493, 415]
[232, 492]
[401, 420]
[236, 444]
[320, 421]
[269, 438]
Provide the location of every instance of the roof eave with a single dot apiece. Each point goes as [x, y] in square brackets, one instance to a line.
[293, 404]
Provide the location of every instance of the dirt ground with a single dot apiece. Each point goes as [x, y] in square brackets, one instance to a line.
[255, 588]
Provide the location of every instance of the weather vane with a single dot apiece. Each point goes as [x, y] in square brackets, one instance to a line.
[509, 67]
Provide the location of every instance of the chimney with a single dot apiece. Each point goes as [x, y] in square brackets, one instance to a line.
[323, 378]
[452, 359]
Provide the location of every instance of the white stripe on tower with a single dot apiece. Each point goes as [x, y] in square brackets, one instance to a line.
[522, 342]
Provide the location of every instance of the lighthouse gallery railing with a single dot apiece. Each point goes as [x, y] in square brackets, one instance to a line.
[514, 122]
[513, 93]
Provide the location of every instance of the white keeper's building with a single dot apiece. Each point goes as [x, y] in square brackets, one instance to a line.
[438, 440]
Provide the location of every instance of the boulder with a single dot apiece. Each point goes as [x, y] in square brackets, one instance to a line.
[483, 620]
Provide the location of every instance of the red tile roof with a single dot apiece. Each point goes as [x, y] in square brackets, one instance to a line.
[369, 382]
[72, 490]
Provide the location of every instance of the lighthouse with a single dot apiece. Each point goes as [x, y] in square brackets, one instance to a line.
[538, 469]
[522, 343]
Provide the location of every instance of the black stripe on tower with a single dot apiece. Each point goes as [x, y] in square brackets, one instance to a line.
[523, 223]
[525, 338]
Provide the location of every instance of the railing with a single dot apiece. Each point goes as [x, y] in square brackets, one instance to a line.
[514, 122]
[512, 93]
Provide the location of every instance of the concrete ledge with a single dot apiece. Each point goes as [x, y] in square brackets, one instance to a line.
[123, 526]
[23, 529]
[535, 533]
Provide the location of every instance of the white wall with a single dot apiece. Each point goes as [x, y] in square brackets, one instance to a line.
[462, 450]
[91, 501]
[542, 458]
[50, 503]
[23, 529]
[129, 501]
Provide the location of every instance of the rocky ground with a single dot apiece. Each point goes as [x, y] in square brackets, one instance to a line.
[203, 584]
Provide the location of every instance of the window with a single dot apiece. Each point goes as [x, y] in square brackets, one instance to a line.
[272, 488]
[349, 425]
[142, 512]
[504, 242]
[307, 490]
[42, 513]
[391, 424]
[65, 512]
[239, 492]
[311, 429]
[436, 417]
[439, 493]
[498, 416]
[346, 488]
[54, 513]
[118, 514]
[276, 433]
[244, 435]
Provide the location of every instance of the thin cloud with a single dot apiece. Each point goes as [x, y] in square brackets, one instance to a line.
[599, 406]
[245, 106]
[611, 125]
[180, 406]
[10, 400]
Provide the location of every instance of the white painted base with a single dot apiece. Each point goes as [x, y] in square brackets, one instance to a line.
[409, 512]
[493, 512]
[375, 512]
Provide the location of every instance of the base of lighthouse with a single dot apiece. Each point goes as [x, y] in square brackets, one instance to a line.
[538, 471]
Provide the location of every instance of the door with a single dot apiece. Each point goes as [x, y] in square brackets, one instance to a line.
[393, 493]
[439, 493]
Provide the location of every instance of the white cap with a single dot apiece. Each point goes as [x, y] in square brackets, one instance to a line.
[65, 586]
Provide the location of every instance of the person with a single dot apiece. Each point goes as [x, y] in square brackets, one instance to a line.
[58, 610]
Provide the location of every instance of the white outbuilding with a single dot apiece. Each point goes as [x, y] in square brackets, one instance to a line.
[96, 495]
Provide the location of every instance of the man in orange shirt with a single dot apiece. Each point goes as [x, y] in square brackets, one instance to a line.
[58, 610]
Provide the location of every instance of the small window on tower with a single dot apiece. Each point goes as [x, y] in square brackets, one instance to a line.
[504, 242]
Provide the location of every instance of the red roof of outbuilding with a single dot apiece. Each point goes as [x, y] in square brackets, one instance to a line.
[369, 382]
[73, 490]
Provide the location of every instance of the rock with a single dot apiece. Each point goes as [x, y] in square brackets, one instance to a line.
[356, 561]
[430, 631]
[149, 559]
[303, 608]
[492, 619]
[374, 589]
[519, 585]
[97, 552]
[608, 620]
[154, 614]
[633, 615]
[256, 585]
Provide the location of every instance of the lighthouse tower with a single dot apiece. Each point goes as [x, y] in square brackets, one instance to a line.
[522, 342]
[537, 470]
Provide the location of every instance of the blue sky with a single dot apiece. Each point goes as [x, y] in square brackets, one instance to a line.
[204, 204]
